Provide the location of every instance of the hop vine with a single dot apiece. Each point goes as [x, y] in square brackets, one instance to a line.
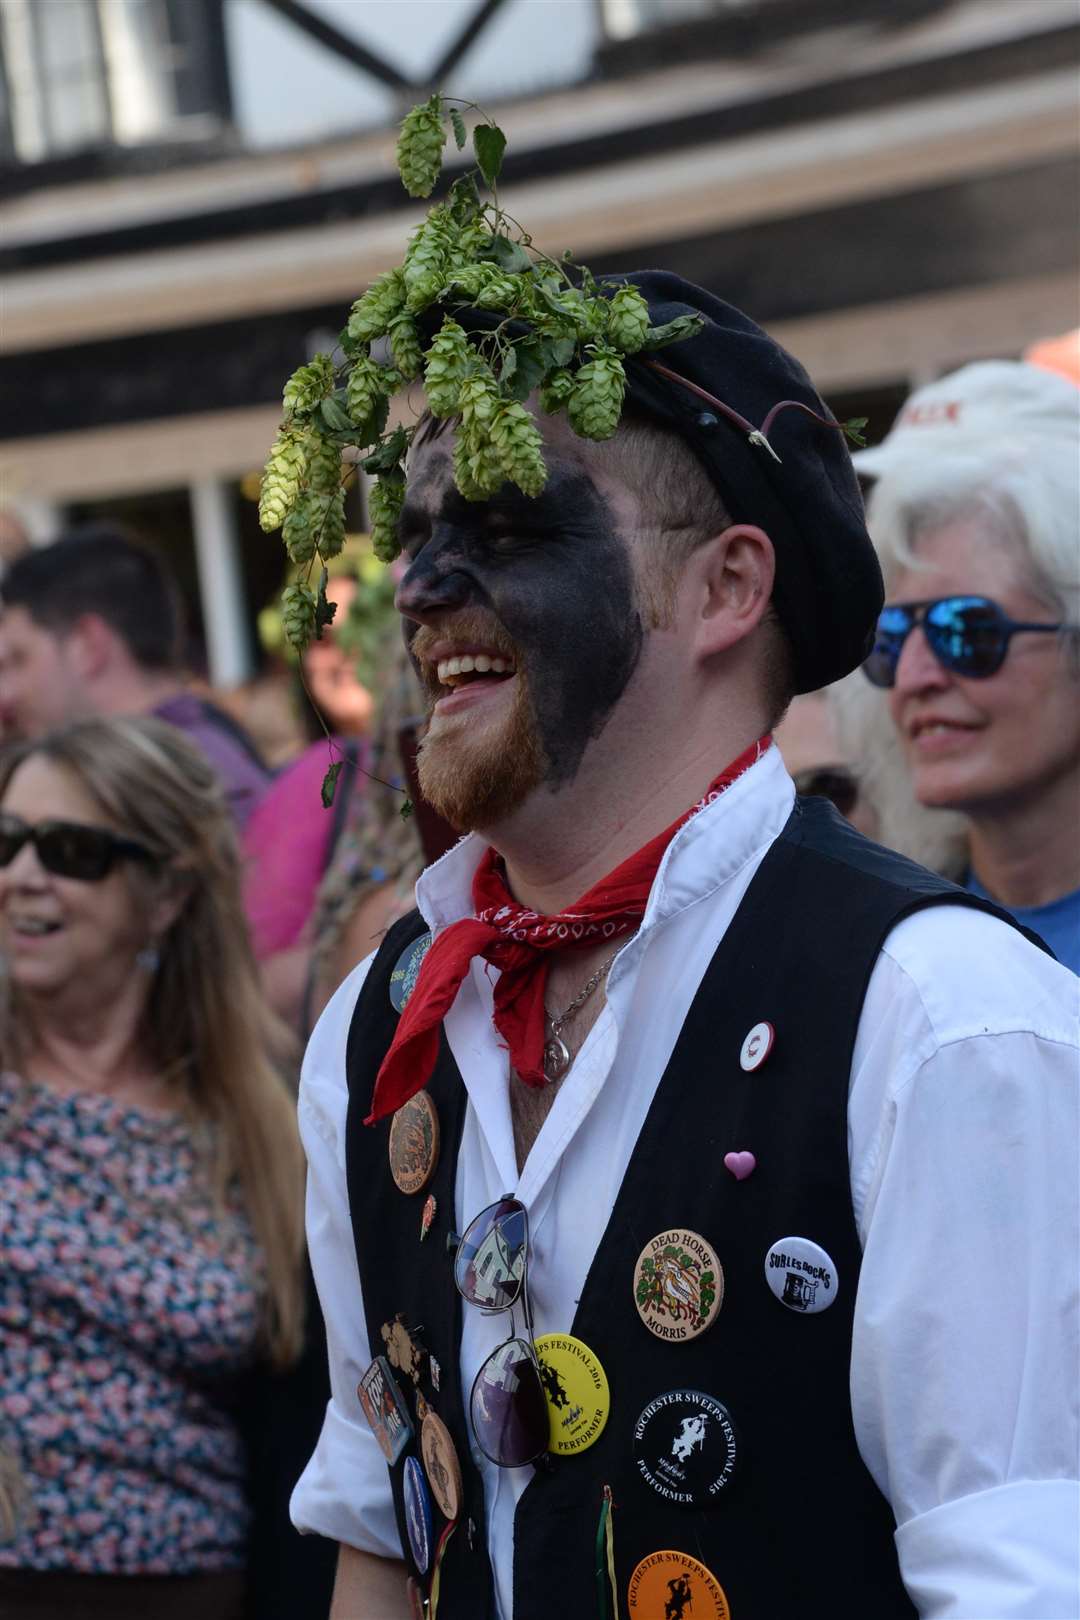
[541, 329]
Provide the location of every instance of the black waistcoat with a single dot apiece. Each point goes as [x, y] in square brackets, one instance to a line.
[803, 1530]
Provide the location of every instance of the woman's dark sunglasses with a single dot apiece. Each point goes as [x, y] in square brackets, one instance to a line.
[68, 848]
[968, 635]
[507, 1406]
[832, 782]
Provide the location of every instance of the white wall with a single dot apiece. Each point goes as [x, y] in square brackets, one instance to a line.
[288, 88]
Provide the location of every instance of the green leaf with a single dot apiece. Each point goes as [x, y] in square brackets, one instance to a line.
[532, 360]
[388, 454]
[562, 351]
[406, 809]
[329, 783]
[508, 255]
[683, 326]
[334, 415]
[489, 143]
[853, 429]
[509, 365]
[324, 610]
[457, 124]
[464, 199]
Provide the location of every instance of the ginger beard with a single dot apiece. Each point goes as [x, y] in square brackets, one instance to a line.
[474, 768]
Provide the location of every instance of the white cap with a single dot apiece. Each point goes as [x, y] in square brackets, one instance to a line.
[992, 402]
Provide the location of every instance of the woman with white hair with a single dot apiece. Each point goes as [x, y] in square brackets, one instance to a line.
[976, 517]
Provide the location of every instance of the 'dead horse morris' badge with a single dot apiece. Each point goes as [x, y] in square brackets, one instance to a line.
[678, 1285]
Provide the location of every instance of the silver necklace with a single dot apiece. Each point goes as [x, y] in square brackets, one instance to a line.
[556, 1058]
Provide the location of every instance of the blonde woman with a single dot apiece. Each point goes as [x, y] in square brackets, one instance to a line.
[151, 1251]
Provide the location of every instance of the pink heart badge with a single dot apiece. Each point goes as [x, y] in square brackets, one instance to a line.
[741, 1165]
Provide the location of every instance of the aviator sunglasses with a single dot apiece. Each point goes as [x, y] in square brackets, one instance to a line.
[507, 1406]
[68, 848]
[968, 635]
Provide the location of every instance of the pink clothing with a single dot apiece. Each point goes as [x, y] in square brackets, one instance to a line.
[286, 845]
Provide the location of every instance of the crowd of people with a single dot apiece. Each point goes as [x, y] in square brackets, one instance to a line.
[654, 893]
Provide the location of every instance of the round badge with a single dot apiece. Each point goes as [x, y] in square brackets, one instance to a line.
[757, 1046]
[415, 1593]
[686, 1448]
[576, 1387]
[441, 1465]
[414, 1143]
[406, 971]
[677, 1587]
[801, 1275]
[678, 1285]
[417, 1514]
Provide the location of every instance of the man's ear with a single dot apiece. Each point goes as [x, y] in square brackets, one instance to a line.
[735, 573]
[89, 646]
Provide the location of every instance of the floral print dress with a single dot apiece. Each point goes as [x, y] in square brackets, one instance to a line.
[129, 1311]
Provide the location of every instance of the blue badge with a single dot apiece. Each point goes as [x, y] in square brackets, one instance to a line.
[406, 970]
[417, 1514]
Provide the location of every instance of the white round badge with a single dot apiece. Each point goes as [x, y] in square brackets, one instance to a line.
[801, 1275]
[757, 1046]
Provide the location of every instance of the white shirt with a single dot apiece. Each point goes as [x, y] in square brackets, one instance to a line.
[963, 1145]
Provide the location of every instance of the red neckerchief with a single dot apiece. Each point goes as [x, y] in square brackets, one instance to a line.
[514, 940]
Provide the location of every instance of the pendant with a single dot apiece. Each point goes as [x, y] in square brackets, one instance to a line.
[556, 1059]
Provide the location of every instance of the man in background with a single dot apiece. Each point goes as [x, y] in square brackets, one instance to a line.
[91, 625]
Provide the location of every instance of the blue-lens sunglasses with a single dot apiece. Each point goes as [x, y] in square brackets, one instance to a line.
[968, 635]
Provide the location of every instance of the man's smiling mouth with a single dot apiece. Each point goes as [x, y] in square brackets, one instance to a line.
[461, 669]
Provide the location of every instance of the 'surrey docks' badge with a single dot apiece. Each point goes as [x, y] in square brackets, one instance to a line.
[678, 1285]
[686, 1448]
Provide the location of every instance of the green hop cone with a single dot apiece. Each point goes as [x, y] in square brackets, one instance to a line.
[298, 614]
[281, 480]
[308, 384]
[365, 388]
[298, 530]
[447, 363]
[478, 400]
[517, 441]
[323, 464]
[330, 523]
[628, 320]
[498, 292]
[596, 401]
[385, 501]
[478, 468]
[371, 315]
[405, 347]
[419, 147]
[555, 391]
[428, 258]
[467, 280]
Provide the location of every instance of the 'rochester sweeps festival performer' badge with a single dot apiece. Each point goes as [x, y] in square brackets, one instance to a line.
[385, 1409]
[414, 1143]
[577, 1393]
[674, 1586]
[686, 1448]
[678, 1285]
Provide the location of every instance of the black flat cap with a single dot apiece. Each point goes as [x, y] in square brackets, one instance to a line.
[828, 590]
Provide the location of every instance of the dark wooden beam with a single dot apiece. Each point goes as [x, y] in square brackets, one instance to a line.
[343, 45]
[474, 26]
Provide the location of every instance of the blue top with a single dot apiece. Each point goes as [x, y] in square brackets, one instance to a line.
[1058, 922]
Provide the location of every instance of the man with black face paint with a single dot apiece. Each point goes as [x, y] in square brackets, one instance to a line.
[763, 1137]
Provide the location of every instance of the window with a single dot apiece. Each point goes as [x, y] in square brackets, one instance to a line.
[85, 74]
